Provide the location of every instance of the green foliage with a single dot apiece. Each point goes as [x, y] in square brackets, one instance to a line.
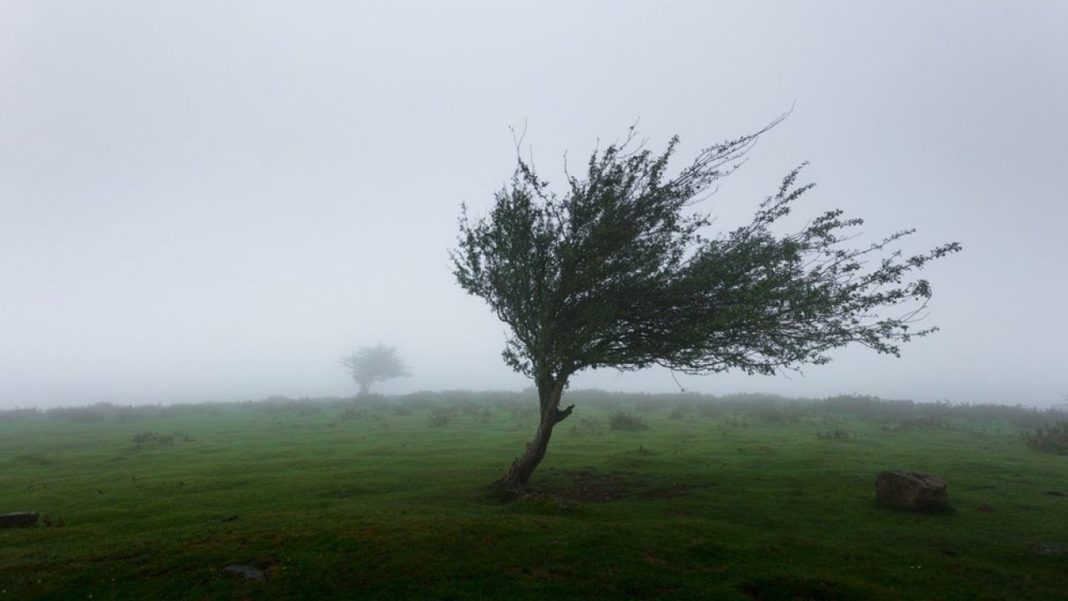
[618, 272]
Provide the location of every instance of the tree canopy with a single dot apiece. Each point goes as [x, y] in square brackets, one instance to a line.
[620, 271]
[370, 364]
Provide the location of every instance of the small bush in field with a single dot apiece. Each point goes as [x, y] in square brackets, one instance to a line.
[622, 420]
[152, 438]
[143, 439]
[1049, 439]
[440, 417]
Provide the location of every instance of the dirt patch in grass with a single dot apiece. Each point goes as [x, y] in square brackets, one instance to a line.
[593, 486]
[679, 489]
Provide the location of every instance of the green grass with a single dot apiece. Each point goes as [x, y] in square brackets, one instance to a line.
[381, 503]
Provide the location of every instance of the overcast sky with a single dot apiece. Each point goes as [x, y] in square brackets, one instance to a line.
[217, 200]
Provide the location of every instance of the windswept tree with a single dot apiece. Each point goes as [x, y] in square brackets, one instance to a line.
[618, 271]
[370, 364]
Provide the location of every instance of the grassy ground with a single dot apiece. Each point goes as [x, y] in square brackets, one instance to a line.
[386, 501]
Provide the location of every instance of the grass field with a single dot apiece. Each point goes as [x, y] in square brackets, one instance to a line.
[744, 498]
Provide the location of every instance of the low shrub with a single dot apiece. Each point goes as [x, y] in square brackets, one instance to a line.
[1049, 439]
[622, 420]
[440, 417]
[143, 439]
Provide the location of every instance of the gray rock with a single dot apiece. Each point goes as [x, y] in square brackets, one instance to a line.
[246, 572]
[22, 519]
[911, 491]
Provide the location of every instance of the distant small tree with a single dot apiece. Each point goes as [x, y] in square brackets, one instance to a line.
[370, 364]
[618, 272]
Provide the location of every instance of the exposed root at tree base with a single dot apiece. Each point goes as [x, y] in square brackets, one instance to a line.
[504, 490]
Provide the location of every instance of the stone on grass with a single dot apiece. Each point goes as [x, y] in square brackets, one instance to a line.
[22, 519]
[911, 491]
[246, 572]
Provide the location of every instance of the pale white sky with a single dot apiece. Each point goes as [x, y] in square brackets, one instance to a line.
[217, 200]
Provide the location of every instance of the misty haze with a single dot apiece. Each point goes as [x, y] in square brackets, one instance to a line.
[592, 300]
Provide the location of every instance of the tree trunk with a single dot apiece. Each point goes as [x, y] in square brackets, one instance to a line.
[517, 481]
[365, 388]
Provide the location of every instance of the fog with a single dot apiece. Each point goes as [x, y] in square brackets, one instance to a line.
[217, 201]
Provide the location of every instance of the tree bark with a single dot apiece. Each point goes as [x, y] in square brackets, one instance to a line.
[516, 481]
